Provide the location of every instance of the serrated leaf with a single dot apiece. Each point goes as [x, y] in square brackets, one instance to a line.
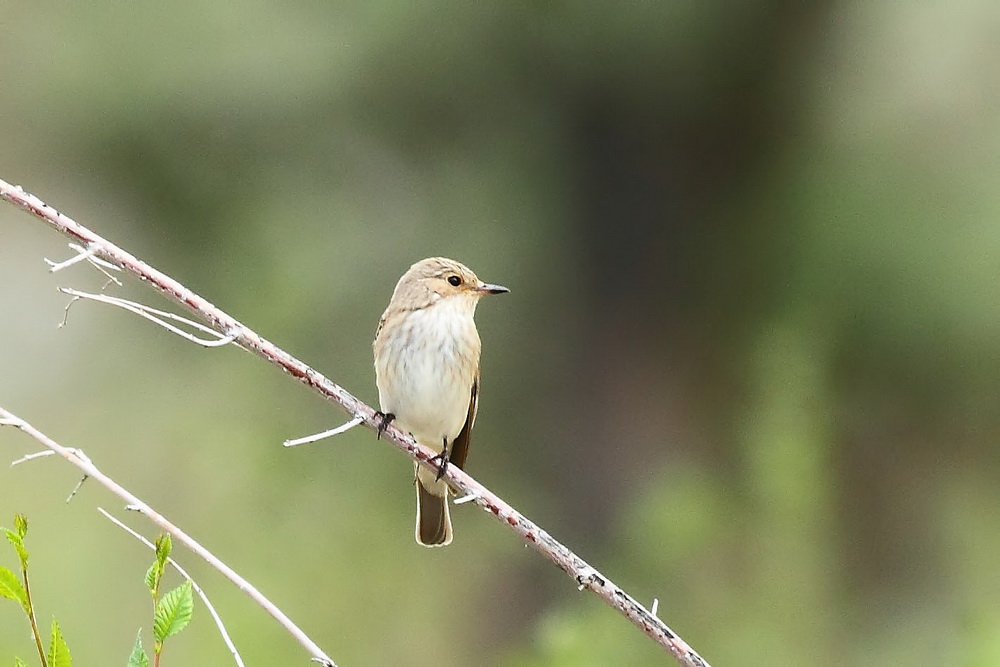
[138, 657]
[18, 542]
[163, 546]
[153, 575]
[21, 525]
[10, 587]
[58, 651]
[173, 612]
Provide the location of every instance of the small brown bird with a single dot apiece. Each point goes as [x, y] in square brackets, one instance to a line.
[427, 372]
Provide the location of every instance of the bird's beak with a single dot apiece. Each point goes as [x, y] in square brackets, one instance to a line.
[486, 288]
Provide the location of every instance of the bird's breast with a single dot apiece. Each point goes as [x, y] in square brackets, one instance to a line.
[425, 364]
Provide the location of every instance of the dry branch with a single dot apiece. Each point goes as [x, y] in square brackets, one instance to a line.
[585, 576]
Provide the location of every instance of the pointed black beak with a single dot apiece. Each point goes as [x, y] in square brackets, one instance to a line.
[493, 289]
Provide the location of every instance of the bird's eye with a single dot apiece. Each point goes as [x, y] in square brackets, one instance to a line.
[455, 281]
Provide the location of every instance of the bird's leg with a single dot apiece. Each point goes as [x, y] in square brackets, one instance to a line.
[384, 419]
[443, 459]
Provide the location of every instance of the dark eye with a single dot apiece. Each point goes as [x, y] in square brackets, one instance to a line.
[454, 280]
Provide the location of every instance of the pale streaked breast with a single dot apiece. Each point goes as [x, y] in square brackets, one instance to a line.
[425, 370]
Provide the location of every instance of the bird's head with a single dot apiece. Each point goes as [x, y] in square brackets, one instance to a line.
[435, 278]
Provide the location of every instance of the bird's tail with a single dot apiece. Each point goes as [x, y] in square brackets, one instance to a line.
[433, 519]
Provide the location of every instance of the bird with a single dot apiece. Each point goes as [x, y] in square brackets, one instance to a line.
[426, 351]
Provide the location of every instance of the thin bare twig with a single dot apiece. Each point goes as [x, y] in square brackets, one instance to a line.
[155, 316]
[464, 499]
[197, 589]
[85, 254]
[37, 455]
[81, 255]
[343, 428]
[586, 576]
[84, 464]
[49, 452]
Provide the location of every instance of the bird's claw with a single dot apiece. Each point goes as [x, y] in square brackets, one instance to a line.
[384, 419]
[442, 460]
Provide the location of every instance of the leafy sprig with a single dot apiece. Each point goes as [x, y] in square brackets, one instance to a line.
[19, 590]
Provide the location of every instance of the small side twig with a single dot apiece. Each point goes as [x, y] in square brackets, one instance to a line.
[464, 499]
[84, 464]
[86, 254]
[49, 452]
[343, 428]
[153, 315]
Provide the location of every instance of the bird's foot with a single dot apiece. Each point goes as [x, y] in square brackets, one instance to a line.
[442, 460]
[384, 419]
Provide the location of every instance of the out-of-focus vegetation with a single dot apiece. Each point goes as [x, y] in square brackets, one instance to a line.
[750, 364]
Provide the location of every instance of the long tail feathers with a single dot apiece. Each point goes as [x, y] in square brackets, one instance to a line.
[433, 519]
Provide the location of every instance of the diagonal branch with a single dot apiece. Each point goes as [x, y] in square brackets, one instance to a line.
[586, 576]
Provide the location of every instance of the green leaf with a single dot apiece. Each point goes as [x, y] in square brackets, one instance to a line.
[21, 525]
[173, 612]
[138, 657]
[153, 575]
[18, 541]
[10, 587]
[58, 651]
[163, 547]
[20, 663]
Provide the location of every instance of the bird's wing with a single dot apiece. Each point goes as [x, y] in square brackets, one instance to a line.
[378, 329]
[460, 446]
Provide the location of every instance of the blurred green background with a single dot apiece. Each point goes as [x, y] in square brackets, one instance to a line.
[749, 365]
